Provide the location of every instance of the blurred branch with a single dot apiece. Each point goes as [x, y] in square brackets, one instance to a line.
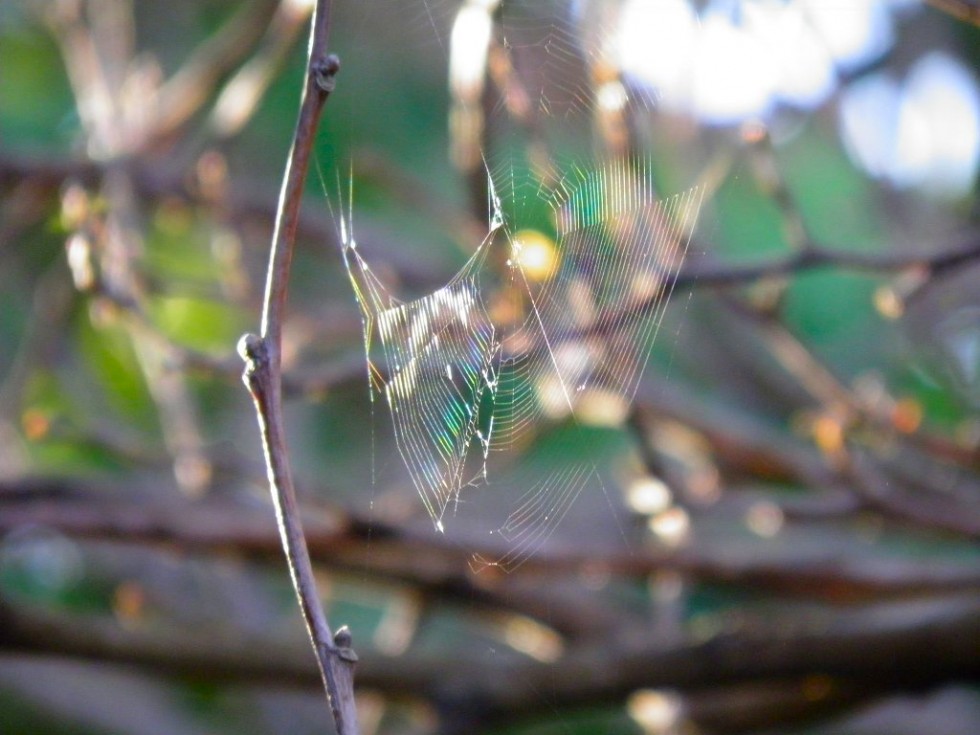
[936, 262]
[765, 165]
[814, 257]
[763, 705]
[194, 83]
[906, 643]
[104, 247]
[339, 540]
[896, 645]
[965, 10]
[240, 97]
[262, 376]
[95, 98]
[887, 496]
[835, 398]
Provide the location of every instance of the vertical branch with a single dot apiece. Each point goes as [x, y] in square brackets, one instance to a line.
[263, 376]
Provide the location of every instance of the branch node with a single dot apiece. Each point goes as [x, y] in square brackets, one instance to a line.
[343, 640]
[255, 352]
[251, 347]
[324, 70]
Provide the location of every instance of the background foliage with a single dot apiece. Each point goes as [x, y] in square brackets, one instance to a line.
[789, 543]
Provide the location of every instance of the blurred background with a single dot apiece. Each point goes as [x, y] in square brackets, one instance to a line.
[785, 539]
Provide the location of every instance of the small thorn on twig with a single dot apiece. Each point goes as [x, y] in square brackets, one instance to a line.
[324, 72]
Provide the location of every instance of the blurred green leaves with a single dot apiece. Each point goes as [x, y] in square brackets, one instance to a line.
[202, 324]
[38, 108]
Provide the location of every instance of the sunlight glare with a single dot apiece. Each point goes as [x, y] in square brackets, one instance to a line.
[655, 42]
[765, 519]
[939, 127]
[597, 407]
[552, 397]
[804, 71]
[922, 133]
[301, 6]
[855, 32]
[741, 58]
[733, 77]
[530, 637]
[868, 111]
[469, 42]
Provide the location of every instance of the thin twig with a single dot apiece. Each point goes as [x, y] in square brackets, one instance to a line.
[263, 376]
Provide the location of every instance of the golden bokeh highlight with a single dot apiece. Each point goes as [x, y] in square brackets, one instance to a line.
[656, 711]
[828, 433]
[535, 254]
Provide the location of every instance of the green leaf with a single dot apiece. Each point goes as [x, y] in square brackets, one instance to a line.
[110, 356]
[198, 323]
[35, 100]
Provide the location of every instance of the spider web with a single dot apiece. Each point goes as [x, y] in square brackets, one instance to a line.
[554, 315]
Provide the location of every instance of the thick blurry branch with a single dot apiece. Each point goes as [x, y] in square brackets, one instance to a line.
[897, 645]
[889, 496]
[905, 644]
[339, 540]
